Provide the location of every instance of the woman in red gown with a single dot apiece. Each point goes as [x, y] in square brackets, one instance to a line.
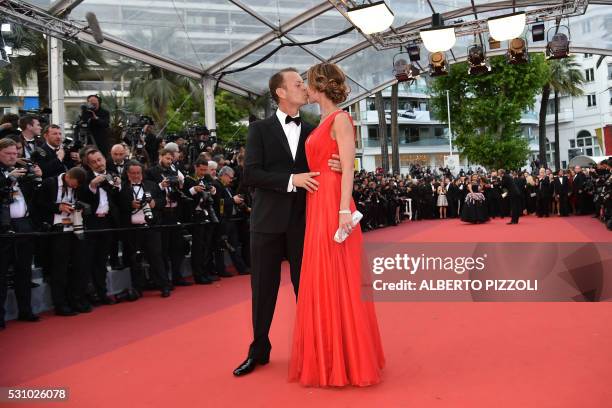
[336, 341]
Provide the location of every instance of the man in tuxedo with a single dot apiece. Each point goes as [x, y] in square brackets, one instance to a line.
[578, 190]
[101, 194]
[69, 264]
[16, 201]
[117, 166]
[170, 181]
[561, 191]
[277, 171]
[514, 195]
[55, 161]
[543, 194]
[144, 241]
[30, 134]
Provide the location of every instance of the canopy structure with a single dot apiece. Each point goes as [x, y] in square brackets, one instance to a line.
[586, 161]
[215, 39]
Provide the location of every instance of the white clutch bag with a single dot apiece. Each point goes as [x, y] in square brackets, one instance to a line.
[340, 234]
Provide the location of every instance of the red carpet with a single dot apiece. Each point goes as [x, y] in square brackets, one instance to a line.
[180, 351]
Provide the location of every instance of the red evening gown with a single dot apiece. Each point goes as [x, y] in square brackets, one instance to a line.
[336, 341]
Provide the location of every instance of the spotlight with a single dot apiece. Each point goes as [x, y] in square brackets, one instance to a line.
[537, 32]
[477, 60]
[414, 52]
[558, 47]
[438, 38]
[371, 18]
[507, 27]
[405, 72]
[438, 64]
[517, 51]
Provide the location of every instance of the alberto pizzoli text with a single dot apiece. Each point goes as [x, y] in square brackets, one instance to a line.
[456, 285]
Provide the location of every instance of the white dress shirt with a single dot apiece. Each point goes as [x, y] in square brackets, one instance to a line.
[292, 133]
[67, 198]
[138, 217]
[103, 206]
[18, 207]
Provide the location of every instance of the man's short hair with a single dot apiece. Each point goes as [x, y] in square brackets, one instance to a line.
[225, 170]
[201, 162]
[77, 173]
[26, 120]
[49, 127]
[277, 80]
[133, 163]
[164, 152]
[7, 142]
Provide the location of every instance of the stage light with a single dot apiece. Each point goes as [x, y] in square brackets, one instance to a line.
[517, 51]
[559, 46]
[405, 72]
[371, 18]
[494, 44]
[537, 32]
[438, 38]
[414, 52]
[507, 27]
[6, 28]
[438, 64]
[477, 60]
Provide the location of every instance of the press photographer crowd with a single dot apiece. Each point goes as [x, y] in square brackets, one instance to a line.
[74, 205]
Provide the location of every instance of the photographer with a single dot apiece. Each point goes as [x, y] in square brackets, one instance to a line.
[117, 165]
[16, 198]
[228, 206]
[30, 134]
[200, 189]
[55, 161]
[140, 202]
[101, 194]
[97, 120]
[58, 202]
[152, 142]
[170, 180]
[8, 125]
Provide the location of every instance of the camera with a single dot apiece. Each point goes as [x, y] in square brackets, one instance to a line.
[30, 176]
[80, 209]
[146, 208]
[72, 145]
[109, 182]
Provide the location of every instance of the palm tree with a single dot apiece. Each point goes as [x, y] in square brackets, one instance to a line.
[565, 77]
[31, 57]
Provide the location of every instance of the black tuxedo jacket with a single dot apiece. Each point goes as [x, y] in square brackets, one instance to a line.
[126, 196]
[509, 184]
[92, 199]
[111, 167]
[579, 181]
[46, 198]
[268, 166]
[51, 166]
[561, 188]
[544, 188]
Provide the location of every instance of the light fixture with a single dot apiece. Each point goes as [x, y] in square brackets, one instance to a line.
[477, 60]
[404, 71]
[438, 64]
[507, 27]
[494, 44]
[438, 38]
[559, 46]
[537, 32]
[371, 18]
[517, 51]
[414, 52]
[6, 28]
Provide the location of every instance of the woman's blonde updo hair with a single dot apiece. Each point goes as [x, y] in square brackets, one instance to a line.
[329, 79]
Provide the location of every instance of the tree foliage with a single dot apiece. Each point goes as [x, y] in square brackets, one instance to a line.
[486, 109]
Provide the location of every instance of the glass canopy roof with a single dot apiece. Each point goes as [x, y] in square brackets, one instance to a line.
[217, 36]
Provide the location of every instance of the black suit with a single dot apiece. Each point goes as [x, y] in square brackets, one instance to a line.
[561, 189]
[19, 251]
[100, 130]
[278, 219]
[120, 169]
[544, 195]
[69, 262]
[578, 192]
[99, 244]
[514, 195]
[51, 166]
[146, 241]
[29, 147]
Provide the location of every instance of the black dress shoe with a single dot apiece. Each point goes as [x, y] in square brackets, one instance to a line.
[107, 300]
[65, 311]
[248, 365]
[29, 317]
[182, 282]
[213, 278]
[225, 275]
[83, 307]
[245, 272]
[202, 281]
[165, 292]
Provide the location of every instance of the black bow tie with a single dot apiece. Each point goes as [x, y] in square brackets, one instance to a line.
[136, 185]
[296, 119]
[30, 141]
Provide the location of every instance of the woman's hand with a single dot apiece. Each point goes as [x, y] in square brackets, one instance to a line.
[346, 222]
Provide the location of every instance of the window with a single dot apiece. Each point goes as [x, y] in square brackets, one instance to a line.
[589, 74]
[550, 107]
[572, 143]
[591, 100]
[589, 152]
[563, 164]
[588, 56]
